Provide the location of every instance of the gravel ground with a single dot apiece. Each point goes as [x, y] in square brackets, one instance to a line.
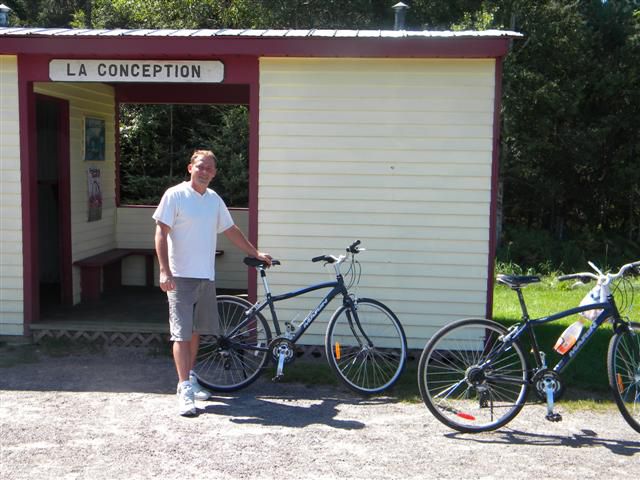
[113, 415]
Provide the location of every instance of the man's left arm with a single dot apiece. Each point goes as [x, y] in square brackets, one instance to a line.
[235, 235]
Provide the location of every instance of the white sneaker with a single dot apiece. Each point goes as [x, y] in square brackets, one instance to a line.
[186, 402]
[199, 392]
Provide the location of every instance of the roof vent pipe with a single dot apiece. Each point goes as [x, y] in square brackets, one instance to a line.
[401, 12]
[4, 15]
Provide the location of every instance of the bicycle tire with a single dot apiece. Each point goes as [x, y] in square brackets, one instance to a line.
[459, 390]
[226, 364]
[367, 354]
[623, 367]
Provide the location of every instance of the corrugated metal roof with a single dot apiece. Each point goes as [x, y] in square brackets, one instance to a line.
[269, 33]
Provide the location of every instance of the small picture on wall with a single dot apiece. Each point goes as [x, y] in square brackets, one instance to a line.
[94, 194]
[94, 139]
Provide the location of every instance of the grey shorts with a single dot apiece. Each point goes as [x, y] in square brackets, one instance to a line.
[192, 308]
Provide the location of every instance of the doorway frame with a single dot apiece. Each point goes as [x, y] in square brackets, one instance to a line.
[30, 194]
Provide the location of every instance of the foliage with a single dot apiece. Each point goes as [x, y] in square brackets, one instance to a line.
[157, 141]
[570, 143]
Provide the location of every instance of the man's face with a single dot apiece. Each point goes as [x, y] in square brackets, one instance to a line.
[202, 171]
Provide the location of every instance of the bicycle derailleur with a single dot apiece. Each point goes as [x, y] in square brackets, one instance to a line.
[283, 352]
[549, 388]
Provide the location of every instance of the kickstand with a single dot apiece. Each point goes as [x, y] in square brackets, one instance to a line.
[549, 384]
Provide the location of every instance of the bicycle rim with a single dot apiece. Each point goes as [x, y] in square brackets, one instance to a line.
[466, 382]
[624, 373]
[367, 353]
[236, 357]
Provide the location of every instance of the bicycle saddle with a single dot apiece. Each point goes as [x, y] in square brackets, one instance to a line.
[516, 281]
[254, 262]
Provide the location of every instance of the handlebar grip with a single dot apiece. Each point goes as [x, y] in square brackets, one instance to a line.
[582, 278]
[564, 278]
[353, 248]
[317, 259]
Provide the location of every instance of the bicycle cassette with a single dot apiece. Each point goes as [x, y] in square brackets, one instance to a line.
[548, 376]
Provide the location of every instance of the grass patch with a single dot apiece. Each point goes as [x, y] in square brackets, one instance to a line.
[318, 372]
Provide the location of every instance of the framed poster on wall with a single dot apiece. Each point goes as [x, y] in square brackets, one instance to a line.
[94, 192]
[94, 139]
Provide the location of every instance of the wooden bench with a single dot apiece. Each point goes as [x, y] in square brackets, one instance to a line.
[109, 264]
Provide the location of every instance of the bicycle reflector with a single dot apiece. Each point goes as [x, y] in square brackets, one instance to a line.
[466, 416]
[620, 384]
[337, 350]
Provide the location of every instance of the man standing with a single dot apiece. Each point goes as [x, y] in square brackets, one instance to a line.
[188, 219]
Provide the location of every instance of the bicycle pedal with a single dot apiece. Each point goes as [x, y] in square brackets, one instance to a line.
[554, 417]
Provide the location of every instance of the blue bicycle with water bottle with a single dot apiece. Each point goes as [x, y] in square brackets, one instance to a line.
[474, 375]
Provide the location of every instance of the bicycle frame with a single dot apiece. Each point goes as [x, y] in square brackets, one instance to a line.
[609, 310]
[337, 288]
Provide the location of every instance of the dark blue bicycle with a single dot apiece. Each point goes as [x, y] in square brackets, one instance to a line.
[474, 375]
[365, 343]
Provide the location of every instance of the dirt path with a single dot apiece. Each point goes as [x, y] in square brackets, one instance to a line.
[114, 416]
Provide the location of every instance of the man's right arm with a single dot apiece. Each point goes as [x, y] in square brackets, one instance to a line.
[162, 251]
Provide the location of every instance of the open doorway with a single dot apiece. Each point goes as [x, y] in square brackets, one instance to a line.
[53, 204]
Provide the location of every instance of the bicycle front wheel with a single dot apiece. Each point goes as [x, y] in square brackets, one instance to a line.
[623, 363]
[235, 358]
[366, 347]
[468, 380]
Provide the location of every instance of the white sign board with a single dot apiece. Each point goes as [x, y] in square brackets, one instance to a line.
[147, 71]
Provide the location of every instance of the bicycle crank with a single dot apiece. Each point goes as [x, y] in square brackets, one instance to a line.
[283, 352]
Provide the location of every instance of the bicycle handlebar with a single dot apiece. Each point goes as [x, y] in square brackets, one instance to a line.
[604, 278]
[353, 248]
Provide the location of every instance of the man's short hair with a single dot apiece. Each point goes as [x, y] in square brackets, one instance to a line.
[203, 153]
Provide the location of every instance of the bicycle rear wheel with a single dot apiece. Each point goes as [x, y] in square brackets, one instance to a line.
[623, 364]
[467, 381]
[367, 349]
[235, 358]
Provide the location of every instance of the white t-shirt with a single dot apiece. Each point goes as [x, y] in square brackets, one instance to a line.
[195, 221]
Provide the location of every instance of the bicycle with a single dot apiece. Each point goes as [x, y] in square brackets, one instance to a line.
[474, 375]
[365, 343]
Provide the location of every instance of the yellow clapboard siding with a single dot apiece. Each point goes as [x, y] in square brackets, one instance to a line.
[308, 246]
[338, 206]
[374, 181]
[11, 270]
[388, 169]
[386, 143]
[402, 131]
[345, 157]
[375, 105]
[399, 117]
[364, 218]
[427, 90]
[320, 192]
[394, 152]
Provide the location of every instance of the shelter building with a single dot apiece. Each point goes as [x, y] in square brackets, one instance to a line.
[390, 137]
